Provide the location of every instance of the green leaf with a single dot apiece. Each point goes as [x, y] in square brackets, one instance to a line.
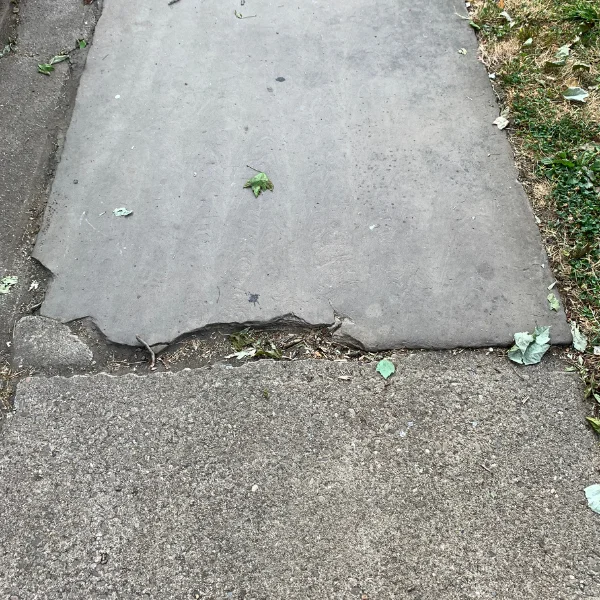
[553, 302]
[58, 58]
[592, 493]
[45, 68]
[529, 349]
[474, 25]
[122, 212]
[386, 368]
[579, 340]
[523, 340]
[595, 423]
[528, 42]
[575, 94]
[259, 183]
[6, 283]
[542, 335]
[82, 44]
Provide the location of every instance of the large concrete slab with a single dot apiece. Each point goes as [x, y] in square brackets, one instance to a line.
[460, 479]
[395, 205]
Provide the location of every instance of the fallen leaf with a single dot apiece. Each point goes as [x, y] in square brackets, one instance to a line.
[579, 340]
[474, 25]
[386, 368]
[530, 348]
[6, 283]
[595, 423]
[553, 302]
[82, 44]
[562, 54]
[462, 51]
[508, 18]
[45, 68]
[259, 183]
[247, 353]
[575, 94]
[528, 42]
[592, 493]
[579, 66]
[58, 58]
[122, 212]
[596, 350]
[501, 122]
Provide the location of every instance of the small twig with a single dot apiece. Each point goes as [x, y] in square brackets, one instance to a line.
[254, 169]
[32, 308]
[518, 374]
[172, 2]
[488, 470]
[139, 339]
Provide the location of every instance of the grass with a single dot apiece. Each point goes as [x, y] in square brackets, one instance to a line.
[537, 50]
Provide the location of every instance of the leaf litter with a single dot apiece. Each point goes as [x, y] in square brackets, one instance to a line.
[7, 283]
[529, 348]
[47, 68]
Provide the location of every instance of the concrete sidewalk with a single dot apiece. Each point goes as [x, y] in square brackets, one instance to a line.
[396, 206]
[461, 478]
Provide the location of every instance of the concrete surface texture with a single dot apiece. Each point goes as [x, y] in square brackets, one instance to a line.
[462, 478]
[33, 111]
[47, 346]
[396, 205]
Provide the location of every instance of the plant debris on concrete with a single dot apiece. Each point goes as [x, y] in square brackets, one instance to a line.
[545, 61]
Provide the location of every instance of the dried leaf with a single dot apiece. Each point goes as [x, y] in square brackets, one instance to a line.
[501, 122]
[553, 302]
[575, 94]
[579, 340]
[122, 212]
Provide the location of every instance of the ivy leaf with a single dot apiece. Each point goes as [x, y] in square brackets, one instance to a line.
[386, 368]
[553, 302]
[259, 183]
[530, 348]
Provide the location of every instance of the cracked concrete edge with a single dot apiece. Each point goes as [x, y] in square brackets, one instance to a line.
[49, 347]
[7, 21]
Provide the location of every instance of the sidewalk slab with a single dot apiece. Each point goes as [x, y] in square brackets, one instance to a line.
[396, 205]
[461, 478]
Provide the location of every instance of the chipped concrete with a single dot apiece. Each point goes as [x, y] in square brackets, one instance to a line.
[395, 205]
[47, 346]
